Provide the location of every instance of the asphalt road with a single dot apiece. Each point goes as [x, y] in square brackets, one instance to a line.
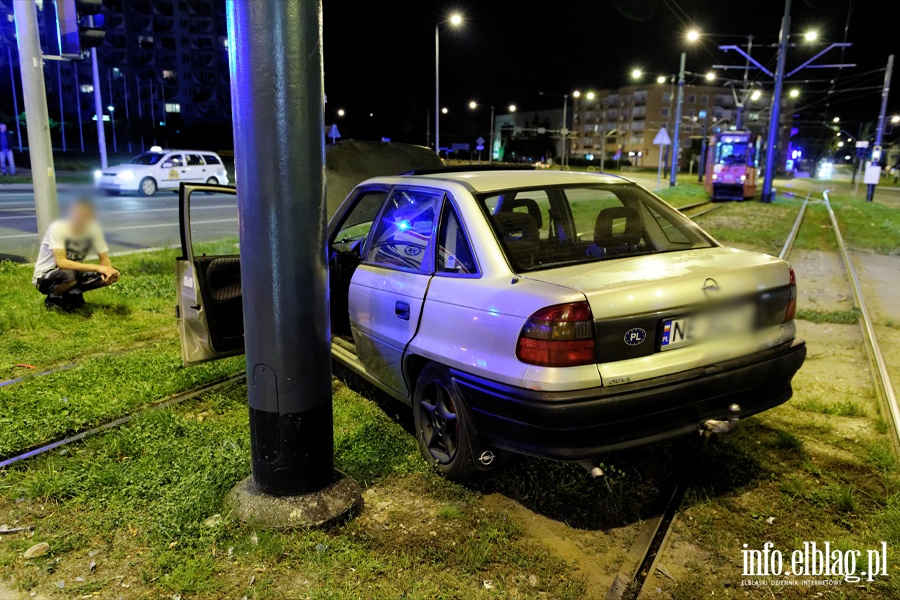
[129, 222]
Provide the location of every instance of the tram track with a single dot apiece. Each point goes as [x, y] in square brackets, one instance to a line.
[78, 435]
[654, 535]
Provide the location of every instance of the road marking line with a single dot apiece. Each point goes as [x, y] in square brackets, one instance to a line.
[130, 227]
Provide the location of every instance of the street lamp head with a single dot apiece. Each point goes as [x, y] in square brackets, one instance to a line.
[836, 120]
[512, 108]
[755, 95]
[473, 105]
[110, 108]
[456, 19]
[341, 112]
[895, 119]
[636, 74]
[661, 79]
[710, 76]
[444, 111]
[590, 95]
[840, 144]
[576, 94]
[794, 93]
[811, 36]
[693, 35]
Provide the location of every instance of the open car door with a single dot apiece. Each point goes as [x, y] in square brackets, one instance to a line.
[208, 274]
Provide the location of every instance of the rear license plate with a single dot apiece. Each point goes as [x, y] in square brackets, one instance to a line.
[702, 327]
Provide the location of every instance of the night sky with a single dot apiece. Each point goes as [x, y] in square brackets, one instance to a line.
[379, 56]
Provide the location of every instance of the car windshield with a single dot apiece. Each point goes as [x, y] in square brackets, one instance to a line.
[147, 158]
[557, 226]
[732, 153]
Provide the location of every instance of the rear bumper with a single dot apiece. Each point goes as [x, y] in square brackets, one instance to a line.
[582, 424]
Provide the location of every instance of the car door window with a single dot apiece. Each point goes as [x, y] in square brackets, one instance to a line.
[193, 160]
[358, 221]
[211, 159]
[173, 161]
[403, 233]
[454, 251]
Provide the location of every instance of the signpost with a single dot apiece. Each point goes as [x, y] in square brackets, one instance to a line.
[479, 145]
[662, 139]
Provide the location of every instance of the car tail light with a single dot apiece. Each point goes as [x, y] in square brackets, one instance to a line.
[792, 302]
[558, 336]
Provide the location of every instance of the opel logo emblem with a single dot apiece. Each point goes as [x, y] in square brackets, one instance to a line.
[710, 285]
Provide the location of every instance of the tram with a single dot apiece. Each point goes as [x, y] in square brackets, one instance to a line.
[732, 165]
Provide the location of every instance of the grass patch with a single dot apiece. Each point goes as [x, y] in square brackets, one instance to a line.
[683, 194]
[139, 500]
[838, 317]
[846, 408]
[764, 227]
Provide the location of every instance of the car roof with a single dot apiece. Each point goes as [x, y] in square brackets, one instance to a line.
[170, 150]
[503, 179]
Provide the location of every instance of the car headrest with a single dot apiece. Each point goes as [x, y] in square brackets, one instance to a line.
[528, 204]
[603, 228]
[517, 227]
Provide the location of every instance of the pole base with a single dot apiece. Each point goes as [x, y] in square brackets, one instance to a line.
[339, 501]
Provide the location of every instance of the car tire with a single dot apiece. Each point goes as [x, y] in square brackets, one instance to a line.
[444, 429]
[212, 181]
[147, 187]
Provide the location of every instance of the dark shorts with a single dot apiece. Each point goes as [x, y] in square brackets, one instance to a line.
[86, 281]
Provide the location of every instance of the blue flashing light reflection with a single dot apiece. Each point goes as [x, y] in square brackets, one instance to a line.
[403, 225]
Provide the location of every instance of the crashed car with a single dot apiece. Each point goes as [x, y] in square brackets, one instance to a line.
[554, 314]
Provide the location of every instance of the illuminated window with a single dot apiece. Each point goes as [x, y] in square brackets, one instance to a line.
[173, 107]
[167, 74]
[87, 88]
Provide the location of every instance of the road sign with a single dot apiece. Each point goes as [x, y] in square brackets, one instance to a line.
[862, 144]
[480, 141]
[662, 138]
[873, 173]
[334, 134]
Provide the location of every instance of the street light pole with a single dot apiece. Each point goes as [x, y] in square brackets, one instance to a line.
[775, 114]
[437, 90]
[676, 129]
[12, 83]
[98, 104]
[879, 134]
[563, 131]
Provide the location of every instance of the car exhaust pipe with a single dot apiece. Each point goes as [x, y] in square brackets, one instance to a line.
[592, 468]
[719, 427]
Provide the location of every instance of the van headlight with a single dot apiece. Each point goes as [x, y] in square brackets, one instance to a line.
[126, 175]
[98, 174]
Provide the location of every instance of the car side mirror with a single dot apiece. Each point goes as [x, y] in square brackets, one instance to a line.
[167, 165]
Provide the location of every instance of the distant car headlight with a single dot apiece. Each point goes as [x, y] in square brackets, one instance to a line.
[126, 175]
[98, 174]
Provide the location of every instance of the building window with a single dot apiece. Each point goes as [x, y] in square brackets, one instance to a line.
[704, 100]
[167, 74]
[692, 98]
[87, 88]
[664, 112]
[173, 107]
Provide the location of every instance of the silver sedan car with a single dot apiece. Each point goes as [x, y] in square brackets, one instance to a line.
[554, 314]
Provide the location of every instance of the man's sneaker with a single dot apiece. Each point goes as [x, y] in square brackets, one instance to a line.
[53, 302]
[72, 302]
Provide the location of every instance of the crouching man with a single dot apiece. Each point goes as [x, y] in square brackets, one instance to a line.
[60, 272]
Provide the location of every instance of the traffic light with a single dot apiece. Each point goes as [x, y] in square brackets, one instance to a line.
[74, 30]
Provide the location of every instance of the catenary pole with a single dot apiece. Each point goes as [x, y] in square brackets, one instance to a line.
[437, 90]
[879, 134]
[62, 111]
[34, 92]
[78, 107]
[676, 137]
[15, 95]
[775, 113]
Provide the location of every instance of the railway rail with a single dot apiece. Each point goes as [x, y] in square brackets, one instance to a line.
[653, 537]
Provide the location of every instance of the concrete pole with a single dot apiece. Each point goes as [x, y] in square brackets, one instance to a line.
[701, 171]
[140, 102]
[563, 132]
[278, 107]
[879, 133]
[15, 95]
[40, 149]
[98, 105]
[127, 114]
[775, 114]
[112, 111]
[602, 102]
[676, 142]
[428, 127]
[437, 90]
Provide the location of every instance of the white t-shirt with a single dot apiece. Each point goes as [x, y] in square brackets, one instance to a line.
[59, 236]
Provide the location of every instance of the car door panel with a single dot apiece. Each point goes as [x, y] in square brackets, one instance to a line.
[170, 177]
[385, 306]
[208, 290]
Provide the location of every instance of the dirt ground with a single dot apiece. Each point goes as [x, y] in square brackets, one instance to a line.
[821, 281]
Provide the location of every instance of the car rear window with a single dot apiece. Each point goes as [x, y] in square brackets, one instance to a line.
[557, 226]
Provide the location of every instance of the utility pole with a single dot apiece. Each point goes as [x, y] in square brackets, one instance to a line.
[62, 116]
[428, 127]
[140, 104]
[15, 95]
[278, 108]
[563, 131]
[40, 148]
[879, 133]
[602, 102]
[78, 107]
[701, 171]
[775, 114]
[127, 116]
[112, 111]
[676, 141]
[98, 104]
